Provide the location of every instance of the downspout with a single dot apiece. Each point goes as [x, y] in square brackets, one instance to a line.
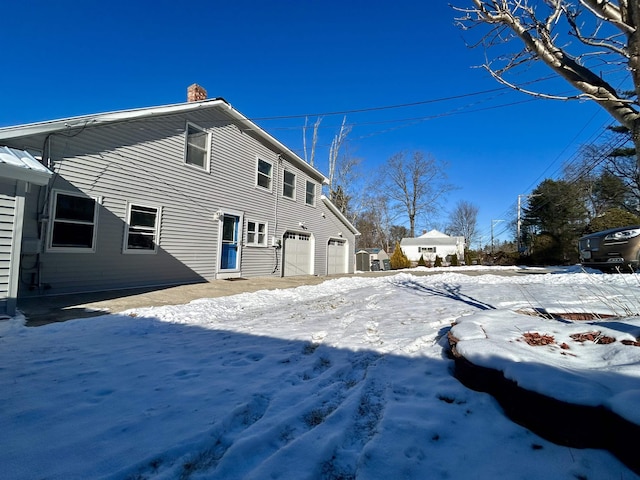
[43, 216]
[275, 244]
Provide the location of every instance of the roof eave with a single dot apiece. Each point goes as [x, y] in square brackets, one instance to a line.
[339, 214]
[248, 124]
[109, 117]
[146, 112]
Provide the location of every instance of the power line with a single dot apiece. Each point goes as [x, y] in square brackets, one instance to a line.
[403, 105]
[383, 107]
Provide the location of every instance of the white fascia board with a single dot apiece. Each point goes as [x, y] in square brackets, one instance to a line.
[21, 165]
[339, 214]
[248, 124]
[89, 120]
[24, 174]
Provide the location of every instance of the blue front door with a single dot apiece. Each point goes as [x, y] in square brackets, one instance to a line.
[229, 255]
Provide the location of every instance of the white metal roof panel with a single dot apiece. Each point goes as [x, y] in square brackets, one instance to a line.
[21, 165]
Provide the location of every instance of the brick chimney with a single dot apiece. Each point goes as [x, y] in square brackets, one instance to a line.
[195, 93]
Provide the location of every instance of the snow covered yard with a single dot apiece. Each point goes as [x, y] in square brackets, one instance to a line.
[343, 380]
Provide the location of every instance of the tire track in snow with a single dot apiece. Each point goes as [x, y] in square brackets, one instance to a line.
[342, 396]
[202, 454]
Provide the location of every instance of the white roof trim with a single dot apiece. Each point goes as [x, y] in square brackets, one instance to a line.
[21, 165]
[102, 118]
[339, 214]
[96, 119]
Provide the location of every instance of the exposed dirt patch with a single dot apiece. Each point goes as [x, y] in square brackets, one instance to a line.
[535, 339]
[595, 337]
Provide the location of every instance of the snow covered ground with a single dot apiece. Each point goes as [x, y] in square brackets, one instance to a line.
[343, 380]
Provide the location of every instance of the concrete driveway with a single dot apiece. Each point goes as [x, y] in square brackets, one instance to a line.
[43, 310]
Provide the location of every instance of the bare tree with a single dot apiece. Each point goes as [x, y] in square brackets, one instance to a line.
[375, 223]
[334, 152]
[343, 168]
[463, 221]
[416, 184]
[607, 38]
[382, 218]
[314, 140]
[346, 181]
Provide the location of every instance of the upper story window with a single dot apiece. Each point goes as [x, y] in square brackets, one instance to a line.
[289, 185]
[264, 174]
[310, 193]
[73, 222]
[257, 234]
[197, 147]
[141, 235]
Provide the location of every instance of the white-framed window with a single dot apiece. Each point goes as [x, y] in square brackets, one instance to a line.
[73, 222]
[427, 249]
[142, 229]
[256, 233]
[196, 147]
[289, 185]
[264, 174]
[310, 193]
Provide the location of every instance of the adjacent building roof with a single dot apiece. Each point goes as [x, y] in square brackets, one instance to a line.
[431, 238]
[21, 165]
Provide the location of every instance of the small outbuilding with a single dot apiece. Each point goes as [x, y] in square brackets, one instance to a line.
[363, 261]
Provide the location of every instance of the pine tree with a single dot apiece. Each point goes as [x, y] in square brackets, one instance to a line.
[421, 262]
[438, 262]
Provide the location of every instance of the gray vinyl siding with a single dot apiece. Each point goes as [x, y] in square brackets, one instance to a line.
[142, 162]
[7, 217]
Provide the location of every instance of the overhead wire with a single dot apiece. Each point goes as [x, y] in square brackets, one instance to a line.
[575, 156]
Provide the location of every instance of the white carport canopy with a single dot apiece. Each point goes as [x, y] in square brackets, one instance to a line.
[18, 168]
[21, 165]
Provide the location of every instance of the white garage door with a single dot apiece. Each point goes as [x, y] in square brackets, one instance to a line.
[297, 254]
[336, 257]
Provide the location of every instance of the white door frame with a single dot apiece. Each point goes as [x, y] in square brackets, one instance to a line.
[239, 236]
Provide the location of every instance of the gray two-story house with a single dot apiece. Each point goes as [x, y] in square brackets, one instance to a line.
[167, 195]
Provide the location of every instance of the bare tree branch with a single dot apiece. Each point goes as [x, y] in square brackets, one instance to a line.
[416, 185]
[544, 29]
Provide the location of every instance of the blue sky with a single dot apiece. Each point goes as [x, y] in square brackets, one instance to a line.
[277, 61]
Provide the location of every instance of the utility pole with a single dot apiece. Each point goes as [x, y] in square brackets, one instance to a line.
[493, 223]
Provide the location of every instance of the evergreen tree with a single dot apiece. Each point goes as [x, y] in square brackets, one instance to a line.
[398, 259]
[558, 210]
[611, 219]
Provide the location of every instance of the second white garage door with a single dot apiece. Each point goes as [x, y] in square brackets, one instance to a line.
[297, 254]
[336, 257]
